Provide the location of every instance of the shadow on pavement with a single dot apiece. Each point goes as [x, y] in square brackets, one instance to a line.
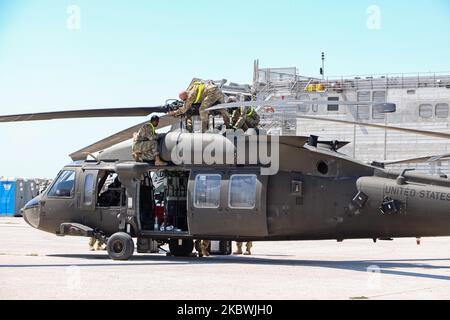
[386, 267]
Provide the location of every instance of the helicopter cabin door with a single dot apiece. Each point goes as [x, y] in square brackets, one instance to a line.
[86, 194]
[227, 203]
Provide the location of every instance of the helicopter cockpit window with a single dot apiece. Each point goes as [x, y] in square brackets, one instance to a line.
[242, 193]
[207, 191]
[64, 186]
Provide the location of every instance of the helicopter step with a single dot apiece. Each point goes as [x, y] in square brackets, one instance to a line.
[163, 235]
[76, 230]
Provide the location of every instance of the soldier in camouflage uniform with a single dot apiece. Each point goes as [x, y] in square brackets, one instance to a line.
[100, 245]
[245, 118]
[206, 95]
[248, 252]
[205, 248]
[145, 143]
[202, 246]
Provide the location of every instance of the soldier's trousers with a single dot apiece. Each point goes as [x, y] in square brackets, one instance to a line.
[190, 123]
[249, 245]
[247, 123]
[209, 101]
[93, 241]
[202, 246]
[205, 245]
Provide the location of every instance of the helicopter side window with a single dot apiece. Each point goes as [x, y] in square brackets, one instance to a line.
[207, 191]
[111, 193]
[242, 193]
[88, 189]
[64, 186]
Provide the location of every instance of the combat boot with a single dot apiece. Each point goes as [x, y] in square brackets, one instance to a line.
[159, 162]
[100, 246]
[249, 246]
[205, 253]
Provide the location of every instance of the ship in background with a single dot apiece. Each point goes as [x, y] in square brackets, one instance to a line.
[422, 99]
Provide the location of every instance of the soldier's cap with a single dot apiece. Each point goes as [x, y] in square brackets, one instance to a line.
[154, 118]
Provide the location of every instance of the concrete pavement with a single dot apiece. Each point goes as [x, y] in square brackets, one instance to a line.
[36, 265]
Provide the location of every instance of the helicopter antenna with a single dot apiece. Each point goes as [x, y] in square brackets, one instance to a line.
[322, 70]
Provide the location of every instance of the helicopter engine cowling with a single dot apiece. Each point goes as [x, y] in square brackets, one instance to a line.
[212, 148]
[189, 148]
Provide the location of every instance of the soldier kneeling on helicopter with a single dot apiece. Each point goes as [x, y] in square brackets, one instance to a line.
[145, 144]
[245, 118]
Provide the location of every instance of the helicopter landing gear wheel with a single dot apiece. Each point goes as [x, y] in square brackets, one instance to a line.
[181, 248]
[120, 246]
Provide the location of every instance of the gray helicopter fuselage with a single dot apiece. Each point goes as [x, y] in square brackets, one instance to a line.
[317, 194]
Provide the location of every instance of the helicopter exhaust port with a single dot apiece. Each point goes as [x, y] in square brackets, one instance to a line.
[313, 141]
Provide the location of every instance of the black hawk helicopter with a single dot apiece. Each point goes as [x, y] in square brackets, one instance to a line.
[314, 193]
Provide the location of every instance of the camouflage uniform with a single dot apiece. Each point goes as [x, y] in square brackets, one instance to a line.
[205, 247]
[249, 246]
[205, 95]
[245, 118]
[202, 246]
[92, 242]
[145, 143]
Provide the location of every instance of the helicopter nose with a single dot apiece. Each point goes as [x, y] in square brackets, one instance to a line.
[31, 213]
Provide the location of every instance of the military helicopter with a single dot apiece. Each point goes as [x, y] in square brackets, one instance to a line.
[315, 193]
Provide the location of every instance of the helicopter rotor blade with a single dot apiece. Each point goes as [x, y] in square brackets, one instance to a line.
[424, 159]
[388, 107]
[119, 137]
[443, 157]
[379, 126]
[294, 103]
[90, 113]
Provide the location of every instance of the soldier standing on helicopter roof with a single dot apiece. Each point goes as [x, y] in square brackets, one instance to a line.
[203, 95]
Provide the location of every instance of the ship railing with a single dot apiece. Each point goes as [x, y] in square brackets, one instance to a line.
[275, 80]
[389, 81]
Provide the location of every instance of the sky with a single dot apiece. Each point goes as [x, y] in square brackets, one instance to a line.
[81, 54]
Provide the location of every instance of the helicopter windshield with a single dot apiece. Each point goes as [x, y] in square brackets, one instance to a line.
[64, 186]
